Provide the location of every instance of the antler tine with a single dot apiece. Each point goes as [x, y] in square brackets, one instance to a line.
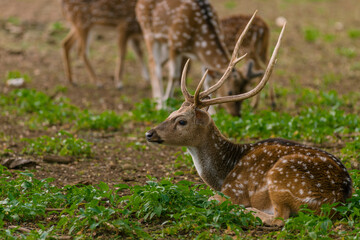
[258, 88]
[184, 90]
[197, 91]
[234, 60]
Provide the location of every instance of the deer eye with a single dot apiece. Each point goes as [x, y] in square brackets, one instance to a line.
[182, 122]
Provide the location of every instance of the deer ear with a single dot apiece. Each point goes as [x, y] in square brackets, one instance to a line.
[250, 74]
[201, 117]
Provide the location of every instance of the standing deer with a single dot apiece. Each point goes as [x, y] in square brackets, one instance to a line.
[255, 44]
[177, 28]
[273, 177]
[87, 15]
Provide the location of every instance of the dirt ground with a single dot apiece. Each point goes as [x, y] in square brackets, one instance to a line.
[32, 47]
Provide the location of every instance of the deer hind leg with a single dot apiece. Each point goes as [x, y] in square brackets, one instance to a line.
[174, 74]
[83, 46]
[155, 66]
[136, 46]
[67, 44]
[119, 69]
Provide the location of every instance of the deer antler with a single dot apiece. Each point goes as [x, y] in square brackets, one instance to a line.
[252, 92]
[196, 99]
[233, 61]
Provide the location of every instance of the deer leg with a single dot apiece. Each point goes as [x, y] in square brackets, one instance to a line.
[272, 96]
[266, 218]
[119, 69]
[83, 45]
[174, 74]
[136, 46]
[67, 44]
[218, 198]
[154, 54]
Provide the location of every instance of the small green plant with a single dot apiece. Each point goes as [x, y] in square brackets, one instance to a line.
[331, 78]
[184, 208]
[311, 34]
[329, 37]
[352, 150]
[183, 158]
[107, 120]
[354, 33]
[17, 74]
[347, 52]
[57, 27]
[230, 4]
[64, 144]
[14, 20]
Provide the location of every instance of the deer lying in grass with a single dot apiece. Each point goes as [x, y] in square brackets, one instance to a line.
[87, 15]
[177, 28]
[273, 177]
[255, 44]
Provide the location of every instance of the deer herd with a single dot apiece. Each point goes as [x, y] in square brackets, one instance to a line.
[272, 178]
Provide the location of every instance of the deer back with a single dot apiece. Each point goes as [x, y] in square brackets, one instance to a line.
[84, 14]
[256, 41]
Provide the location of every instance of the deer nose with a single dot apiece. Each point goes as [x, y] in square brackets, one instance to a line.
[149, 134]
[152, 136]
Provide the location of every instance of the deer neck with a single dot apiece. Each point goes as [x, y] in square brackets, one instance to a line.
[215, 157]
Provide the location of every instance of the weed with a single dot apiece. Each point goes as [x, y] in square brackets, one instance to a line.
[14, 20]
[329, 37]
[311, 34]
[17, 74]
[230, 4]
[57, 27]
[64, 144]
[347, 52]
[107, 120]
[184, 208]
[354, 33]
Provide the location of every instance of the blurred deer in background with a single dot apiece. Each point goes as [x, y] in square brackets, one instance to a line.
[177, 28]
[87, 15]
[273, 177]
[255, 44]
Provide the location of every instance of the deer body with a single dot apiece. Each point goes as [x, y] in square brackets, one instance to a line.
[273, 177]
[87, 15]
[256, 41]
[177, 28]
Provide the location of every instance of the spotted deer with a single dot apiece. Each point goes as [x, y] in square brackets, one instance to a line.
[87, 15]
[177, 28]
[255, 44]
[271, 178]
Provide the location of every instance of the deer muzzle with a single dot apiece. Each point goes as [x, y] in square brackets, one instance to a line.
[152, 136]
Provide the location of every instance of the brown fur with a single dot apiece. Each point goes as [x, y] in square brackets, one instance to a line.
[84, 15]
